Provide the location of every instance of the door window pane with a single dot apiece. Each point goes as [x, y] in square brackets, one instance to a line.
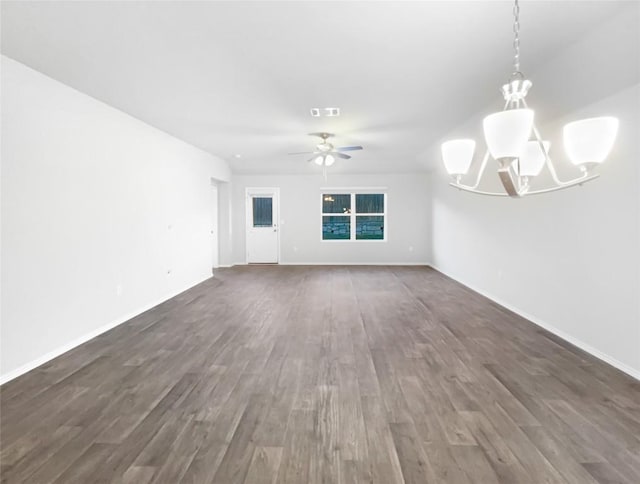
[336, 203]
[336, 228]
[370, 227]
[370, 203]
[262, 211]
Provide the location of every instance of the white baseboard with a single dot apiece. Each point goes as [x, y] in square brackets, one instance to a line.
[552, 329]
[354, 263]
[86, 337]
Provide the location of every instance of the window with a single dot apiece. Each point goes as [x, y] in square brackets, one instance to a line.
[353, 216]
[262, 211]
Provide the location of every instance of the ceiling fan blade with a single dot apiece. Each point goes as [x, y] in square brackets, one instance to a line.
[341, 155]
[349, 148]
[303, 153]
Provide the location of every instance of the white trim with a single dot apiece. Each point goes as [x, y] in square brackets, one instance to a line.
[425, 264]
[215, 224]
[352, 241]
[344, 190]
[86, 337]
[552, 329]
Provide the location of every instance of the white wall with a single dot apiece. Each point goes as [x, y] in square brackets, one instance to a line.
[408, 220]
[92, 199]
[570, 260]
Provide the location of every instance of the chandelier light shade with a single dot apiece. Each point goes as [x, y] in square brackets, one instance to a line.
[507, 132]
[590, 140]
[318, 160]
[457, 155]
[533, 157]
[515, 145]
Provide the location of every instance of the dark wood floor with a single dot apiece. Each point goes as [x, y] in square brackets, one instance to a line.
[323, 374]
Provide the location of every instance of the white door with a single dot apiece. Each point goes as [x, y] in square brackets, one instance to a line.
[215, 262]
[262, 226]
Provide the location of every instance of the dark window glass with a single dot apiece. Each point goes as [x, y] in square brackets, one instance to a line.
[336, 203]
[370, 203]
[336, 228]
[262, 212]
[370, 227]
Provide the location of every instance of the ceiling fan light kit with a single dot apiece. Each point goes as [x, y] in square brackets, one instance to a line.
[326, 160]
[514, 142]
[326, 154]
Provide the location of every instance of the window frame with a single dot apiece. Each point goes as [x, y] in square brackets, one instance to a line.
[353, 214]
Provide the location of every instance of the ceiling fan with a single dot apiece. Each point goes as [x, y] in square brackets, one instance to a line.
[325, 153]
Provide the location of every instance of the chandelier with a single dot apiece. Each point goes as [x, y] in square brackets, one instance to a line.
[513, 140]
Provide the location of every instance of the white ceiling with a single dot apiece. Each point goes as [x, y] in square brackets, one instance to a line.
[240, 77]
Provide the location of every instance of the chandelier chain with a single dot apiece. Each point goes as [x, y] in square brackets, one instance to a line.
[516, 38]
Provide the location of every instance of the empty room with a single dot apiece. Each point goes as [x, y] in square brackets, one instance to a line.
[333, 242]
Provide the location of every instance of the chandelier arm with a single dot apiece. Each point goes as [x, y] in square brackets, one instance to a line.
[577, 182]
[479, 192]
[561, 184]
[483, 166]
[568, 183]
[526, 190]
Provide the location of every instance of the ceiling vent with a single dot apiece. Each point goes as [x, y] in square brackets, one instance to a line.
[328, 112]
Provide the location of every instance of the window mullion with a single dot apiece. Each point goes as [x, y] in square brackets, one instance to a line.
[353, 217]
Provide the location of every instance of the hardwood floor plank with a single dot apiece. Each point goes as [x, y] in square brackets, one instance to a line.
[505, 464]
[474, 463]
[296, 455]
[383, 461]
[237, 459]
[325, 455]
[84, 468]
[264, 465]
[413, 461]
[604, 473]
[572, 470]
[351, 426]
[38, 455]
[444, 466]
[178, 458]
[138, 475]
